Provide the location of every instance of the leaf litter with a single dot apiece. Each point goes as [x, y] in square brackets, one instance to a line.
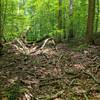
[58, 72]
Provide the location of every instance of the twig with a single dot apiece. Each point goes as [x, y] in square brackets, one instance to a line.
[71, 82]
[97, 67]
[76, 75]
[51, 97]
[51, 81]
[92, 76]
[22, 47]
[85, 96]
[61, 56]
[46, 41]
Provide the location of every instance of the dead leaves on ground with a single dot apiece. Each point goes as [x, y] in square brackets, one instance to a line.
[51, 70]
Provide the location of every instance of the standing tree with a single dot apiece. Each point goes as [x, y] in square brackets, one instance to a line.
[1, 29]
[59, 19]
[70, 35]
[3, 12]
[90, 22]
[97, 15]
[60, 15]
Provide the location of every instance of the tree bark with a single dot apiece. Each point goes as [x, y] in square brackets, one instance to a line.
[1, 34]
[0, 21]
[90, 22]
[3, 10]
[70, 35]
[97, 15]
[59, 23]
[60, 15]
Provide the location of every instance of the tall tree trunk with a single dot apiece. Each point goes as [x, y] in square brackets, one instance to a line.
[1, 28]
[70, 35]
[60, 15]
[97, 15]
[64, 20]
[3, 9]
[90, 22]
[59, 35]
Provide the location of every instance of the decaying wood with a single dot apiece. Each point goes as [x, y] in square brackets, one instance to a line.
[25, 50]
[46, 41]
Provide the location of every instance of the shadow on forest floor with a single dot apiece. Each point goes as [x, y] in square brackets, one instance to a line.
[54, 73]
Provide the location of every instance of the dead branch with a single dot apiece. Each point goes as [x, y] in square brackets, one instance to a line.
[46, 41]
[92, 76]
[51, 97]
[22, 47]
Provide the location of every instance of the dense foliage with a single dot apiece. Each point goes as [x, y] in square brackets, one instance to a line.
[38, 18]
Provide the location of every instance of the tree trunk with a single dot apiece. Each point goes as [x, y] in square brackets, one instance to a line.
[64, 20]
[1, 34]
[97, 15]
[60, 15]
[3, 10]
[70, 35]
[90, 21]
[59, 24]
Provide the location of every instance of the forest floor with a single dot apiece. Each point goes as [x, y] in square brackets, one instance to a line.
[60, 72]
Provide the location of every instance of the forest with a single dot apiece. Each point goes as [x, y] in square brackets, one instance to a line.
[49, 49]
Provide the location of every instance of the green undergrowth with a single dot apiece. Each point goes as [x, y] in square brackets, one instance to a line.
[80, 47]
[14, 91]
